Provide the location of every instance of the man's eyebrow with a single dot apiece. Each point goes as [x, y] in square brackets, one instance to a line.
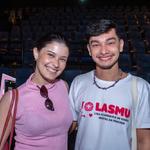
[112, 38]
[94, 41]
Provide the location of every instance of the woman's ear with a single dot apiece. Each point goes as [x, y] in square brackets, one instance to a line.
[35, 53]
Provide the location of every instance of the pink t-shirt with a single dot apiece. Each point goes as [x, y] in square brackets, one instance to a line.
[38, 128]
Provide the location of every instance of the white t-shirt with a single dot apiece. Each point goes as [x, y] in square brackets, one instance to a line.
[104, 116]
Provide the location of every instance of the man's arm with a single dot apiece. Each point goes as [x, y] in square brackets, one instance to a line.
[143, 139]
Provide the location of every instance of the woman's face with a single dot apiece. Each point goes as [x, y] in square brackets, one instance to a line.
[50, 61]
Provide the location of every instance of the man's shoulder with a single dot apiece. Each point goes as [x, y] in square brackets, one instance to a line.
[140, 81]
[83, 79]
[82, 82]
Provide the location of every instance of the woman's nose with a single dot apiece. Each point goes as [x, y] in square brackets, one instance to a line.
[56, 63]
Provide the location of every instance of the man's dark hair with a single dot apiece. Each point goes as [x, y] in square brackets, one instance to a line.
[101, 26]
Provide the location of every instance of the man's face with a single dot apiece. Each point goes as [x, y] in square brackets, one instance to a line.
[105, 49]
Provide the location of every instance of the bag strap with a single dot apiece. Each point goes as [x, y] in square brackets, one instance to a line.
[14, 100]
[134, 105]
[15, 91]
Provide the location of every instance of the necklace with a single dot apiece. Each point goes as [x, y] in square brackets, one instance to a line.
[106, 88]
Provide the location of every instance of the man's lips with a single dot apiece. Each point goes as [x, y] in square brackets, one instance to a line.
[104, 58]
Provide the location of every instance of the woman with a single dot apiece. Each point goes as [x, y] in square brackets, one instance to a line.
[43, 116]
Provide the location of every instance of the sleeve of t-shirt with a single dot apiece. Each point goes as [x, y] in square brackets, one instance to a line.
[72, 98]
[143, 107]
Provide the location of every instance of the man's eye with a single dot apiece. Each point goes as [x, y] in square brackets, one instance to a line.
[95, 45]
[111, 43]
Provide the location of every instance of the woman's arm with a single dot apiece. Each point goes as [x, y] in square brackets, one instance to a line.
[4, 107]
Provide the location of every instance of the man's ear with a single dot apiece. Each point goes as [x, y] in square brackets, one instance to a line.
[35, 53]
[89, 50]
[121, 45]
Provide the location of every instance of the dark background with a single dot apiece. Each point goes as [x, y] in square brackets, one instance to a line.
[18, 37]
[39, 3]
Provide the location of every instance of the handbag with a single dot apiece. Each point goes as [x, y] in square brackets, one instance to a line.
[13, 106]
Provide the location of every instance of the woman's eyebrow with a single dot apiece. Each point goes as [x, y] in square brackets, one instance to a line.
[50, 50]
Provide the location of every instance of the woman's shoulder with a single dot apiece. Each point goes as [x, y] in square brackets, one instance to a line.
[21, 87]
[63, 83]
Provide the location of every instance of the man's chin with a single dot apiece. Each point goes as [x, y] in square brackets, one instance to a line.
[105, 67]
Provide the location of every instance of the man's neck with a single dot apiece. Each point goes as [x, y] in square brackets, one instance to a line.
[109, 74]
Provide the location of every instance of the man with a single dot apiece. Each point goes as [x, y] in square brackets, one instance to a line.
[102, 101]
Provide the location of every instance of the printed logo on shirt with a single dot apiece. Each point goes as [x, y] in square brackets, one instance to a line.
[107, 112]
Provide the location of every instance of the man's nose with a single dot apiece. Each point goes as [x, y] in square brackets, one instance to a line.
[103, 49]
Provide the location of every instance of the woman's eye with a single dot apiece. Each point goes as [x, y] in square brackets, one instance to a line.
[51, 55]
[63, 60]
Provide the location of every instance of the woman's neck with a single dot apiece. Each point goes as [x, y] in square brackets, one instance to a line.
[39, 80]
